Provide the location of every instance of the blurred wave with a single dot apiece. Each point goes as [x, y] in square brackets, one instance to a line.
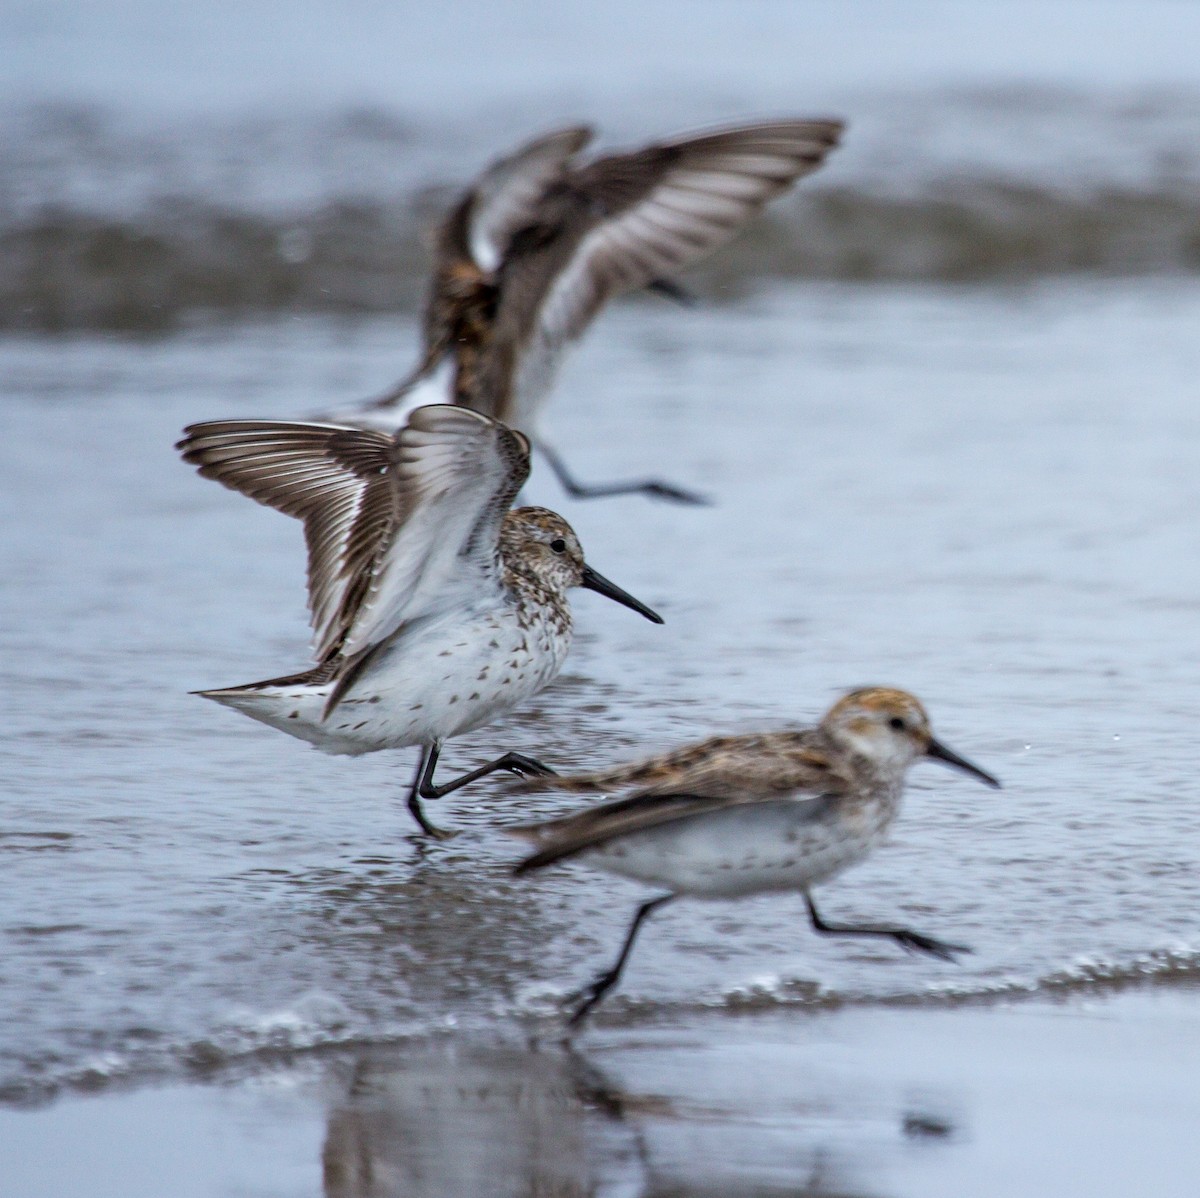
[68, 269]
[320, 1023]
[109, 222]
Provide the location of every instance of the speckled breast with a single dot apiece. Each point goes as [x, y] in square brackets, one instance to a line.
[452, 676]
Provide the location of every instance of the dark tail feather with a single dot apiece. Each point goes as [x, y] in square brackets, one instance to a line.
[352, 671]
[317, 676]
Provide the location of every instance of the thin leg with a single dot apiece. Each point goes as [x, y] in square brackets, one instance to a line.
[390, 397]
[518, 763]
[905, 937]
[609, 978]
[424, 788]
[651, 487]
[429, 755]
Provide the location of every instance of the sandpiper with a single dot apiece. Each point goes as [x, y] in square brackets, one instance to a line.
[536, 246]
[740, 815]
[434, 607]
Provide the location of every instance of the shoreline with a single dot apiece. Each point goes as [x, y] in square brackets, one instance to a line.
[1072, 1096]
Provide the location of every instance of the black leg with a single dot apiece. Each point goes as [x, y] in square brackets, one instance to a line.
[652, 487]
[398, 391]
[517, 763]
[429, 756]
[609, 978]
[905, 937]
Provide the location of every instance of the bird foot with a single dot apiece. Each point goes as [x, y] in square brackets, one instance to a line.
[915, 942]
[526, 767]
[430, 832]
[582, 1001]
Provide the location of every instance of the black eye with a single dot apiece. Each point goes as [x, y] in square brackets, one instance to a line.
[558, 545]
[897, 723]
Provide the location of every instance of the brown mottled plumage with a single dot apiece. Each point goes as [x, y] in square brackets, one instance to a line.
[740, 815]
[781, 762]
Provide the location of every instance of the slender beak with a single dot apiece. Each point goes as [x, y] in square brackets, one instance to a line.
[939, 752]
[598, 583]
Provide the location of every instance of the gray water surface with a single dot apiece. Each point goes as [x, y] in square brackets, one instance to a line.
[986, 498]
[160, 164]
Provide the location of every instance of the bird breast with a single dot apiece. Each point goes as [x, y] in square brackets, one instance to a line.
[751, 849]
[452, 676]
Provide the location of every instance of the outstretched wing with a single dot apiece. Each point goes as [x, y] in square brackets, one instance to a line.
[628, 219]
[393, 525]
[506, 196]
[333, 479]
[456, 474]
[472, 244]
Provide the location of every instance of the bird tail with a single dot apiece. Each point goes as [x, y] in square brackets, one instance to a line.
[294, 704]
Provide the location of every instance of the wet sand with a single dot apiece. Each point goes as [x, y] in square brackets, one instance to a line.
[1078, 1098]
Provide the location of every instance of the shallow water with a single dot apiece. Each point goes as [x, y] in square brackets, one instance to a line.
[1082, 1099]
[987, 498]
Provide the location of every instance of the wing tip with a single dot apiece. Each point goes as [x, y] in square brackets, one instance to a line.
[435, 419]
[429, 418]
[537, 861]
[764, 125]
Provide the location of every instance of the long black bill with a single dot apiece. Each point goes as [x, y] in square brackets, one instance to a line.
[601, 585]
[939, 752]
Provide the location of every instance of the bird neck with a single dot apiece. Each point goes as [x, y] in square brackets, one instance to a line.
[536, 597]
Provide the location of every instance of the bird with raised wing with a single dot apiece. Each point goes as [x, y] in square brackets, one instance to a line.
[750, 814]
[541, 241]
[435, 608]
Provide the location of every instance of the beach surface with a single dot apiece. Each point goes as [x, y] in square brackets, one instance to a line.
[944, 400]
[1090, 1096]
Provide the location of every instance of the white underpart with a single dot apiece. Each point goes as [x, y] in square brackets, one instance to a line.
[436, 680]
[788, 844]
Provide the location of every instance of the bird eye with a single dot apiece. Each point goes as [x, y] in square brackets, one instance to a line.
[558, 545]
[897, 723]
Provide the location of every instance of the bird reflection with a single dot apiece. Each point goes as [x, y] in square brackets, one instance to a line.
[488, 1121]
[503, 1120]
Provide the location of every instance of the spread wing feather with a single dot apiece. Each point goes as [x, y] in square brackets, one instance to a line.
[625, 220]
[457, 473]
[396, 528]
[506, 196]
